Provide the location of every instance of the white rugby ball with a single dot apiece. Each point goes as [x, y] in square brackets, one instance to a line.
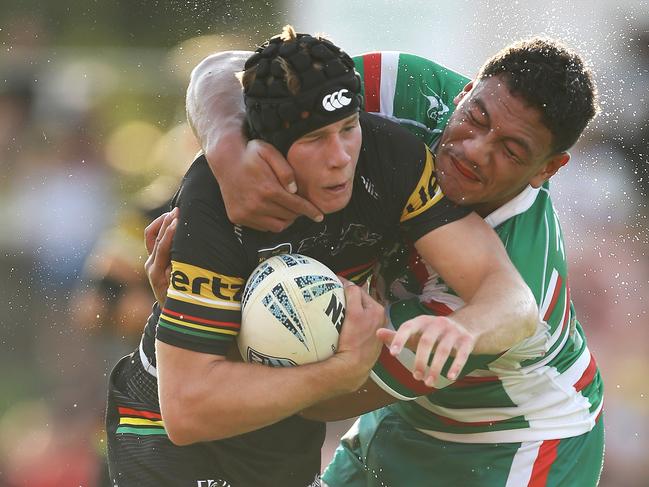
[292, 310]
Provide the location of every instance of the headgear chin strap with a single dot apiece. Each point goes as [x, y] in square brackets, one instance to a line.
[329, 89]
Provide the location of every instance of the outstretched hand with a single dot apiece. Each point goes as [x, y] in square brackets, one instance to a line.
[259, 190]
[440, 336]
[158, 236]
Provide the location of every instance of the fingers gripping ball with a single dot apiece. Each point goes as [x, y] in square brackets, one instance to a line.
[292, 310]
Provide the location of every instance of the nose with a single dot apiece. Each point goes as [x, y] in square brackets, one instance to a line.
[477, 149]
[338, 155]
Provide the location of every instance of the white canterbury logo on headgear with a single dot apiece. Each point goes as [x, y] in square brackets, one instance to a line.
[336, 100]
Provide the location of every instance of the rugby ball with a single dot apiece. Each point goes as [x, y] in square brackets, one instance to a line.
[292, 310]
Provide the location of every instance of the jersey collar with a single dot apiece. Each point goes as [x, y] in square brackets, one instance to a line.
[517, 205]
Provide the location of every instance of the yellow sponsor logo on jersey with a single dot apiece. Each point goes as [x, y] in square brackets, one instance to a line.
[200, 286]
[427, 193]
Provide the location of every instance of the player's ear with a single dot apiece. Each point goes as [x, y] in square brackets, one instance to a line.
[461, 94]
[549, 169]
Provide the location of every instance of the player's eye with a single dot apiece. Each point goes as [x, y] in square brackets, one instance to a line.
[312, 138]
[477, 117]
[512, 155]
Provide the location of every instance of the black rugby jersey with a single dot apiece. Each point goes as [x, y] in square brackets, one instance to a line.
[395, 192]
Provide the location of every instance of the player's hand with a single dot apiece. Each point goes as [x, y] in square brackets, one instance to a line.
[158, 236]
[440, 336]
[259, 190]
[358, 345]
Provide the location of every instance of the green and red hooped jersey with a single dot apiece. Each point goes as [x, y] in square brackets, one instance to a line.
[411, 90]
[547, 386]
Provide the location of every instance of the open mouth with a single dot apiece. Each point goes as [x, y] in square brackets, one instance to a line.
[464, 170]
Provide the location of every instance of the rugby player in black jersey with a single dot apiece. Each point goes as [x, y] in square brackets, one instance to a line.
[191, 413]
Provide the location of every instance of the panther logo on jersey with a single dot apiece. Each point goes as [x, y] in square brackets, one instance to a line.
[354, 234]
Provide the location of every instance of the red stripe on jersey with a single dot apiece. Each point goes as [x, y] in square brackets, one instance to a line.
[566, 314]
[555, 297]
[402, 374]
[372, 80]
[588, 375]
[418, 267]
[440, 309]
[351, 270]
[139, 414]
[566, 317]
[546, 457]
[185, 316]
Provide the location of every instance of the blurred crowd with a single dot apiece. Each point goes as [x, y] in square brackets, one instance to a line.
[77, 187]
[78, 184]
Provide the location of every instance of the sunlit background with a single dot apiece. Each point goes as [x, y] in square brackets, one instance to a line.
[93, 142]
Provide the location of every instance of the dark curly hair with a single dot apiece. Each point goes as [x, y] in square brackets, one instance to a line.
[551, 78]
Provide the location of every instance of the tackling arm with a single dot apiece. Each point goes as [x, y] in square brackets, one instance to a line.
[257, 183]
[500, 311]
[214, 104]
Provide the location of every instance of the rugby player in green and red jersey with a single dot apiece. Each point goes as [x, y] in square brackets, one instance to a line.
[532, 416]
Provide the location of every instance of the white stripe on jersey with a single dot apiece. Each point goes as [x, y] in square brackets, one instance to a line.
[561, 333]
[389, 71]
[557, 428]
[537, 393]
[516, 206]
[379, 382]
[573, 373]
[554, 277]
[557, 236]
[558, 393]
[520, 472]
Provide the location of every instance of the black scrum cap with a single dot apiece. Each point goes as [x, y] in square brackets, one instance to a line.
[328, 88]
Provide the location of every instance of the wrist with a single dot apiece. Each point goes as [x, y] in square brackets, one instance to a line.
[347, 375]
